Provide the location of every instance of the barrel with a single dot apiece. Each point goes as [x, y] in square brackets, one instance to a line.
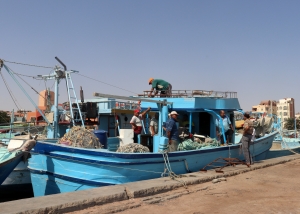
[102, 136]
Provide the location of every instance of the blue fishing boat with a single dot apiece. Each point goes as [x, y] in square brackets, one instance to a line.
[57, 168]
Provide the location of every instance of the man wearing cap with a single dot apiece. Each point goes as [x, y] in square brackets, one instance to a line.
[163, 86]
[246, 138]
[172, 132]
[136, 123]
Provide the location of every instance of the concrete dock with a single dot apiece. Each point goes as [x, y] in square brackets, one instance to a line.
[76, 201]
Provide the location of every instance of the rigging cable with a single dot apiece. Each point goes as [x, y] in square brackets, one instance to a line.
[19, 63]
[106, 83]
[18, 75]
[9, 91]
[41, 66]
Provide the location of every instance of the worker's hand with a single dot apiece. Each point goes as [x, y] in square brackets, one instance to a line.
[149, 108]
[152, 134]
[170, 142]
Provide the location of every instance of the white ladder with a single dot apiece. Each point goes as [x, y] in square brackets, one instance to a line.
[70, 87]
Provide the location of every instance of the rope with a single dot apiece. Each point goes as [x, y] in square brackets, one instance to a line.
[9, 91]
[106, 83]
[168, 170]
[19, 63]
[18, 75]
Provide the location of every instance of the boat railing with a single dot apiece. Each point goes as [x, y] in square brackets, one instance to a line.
[194, 93]
[115, 104]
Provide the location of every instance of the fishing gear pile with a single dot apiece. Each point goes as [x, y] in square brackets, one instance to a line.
[80, 137]
[189, 144]
[133, 148]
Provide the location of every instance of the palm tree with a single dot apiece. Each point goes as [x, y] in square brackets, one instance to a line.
[290, 124]
[4, 118]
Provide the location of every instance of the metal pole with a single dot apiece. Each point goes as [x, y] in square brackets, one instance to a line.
[271, 108]
[11, 122]
[55, 122]
[295, 127]
[190, 122]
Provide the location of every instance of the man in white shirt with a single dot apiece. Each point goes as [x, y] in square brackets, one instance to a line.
[136, 123]
[228, 129]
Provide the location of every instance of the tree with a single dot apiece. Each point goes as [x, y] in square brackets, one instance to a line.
[4, 118]
[290, 124]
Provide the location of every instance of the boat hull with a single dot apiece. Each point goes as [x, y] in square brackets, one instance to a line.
[20, 175]
[7, 166]
[57, 169]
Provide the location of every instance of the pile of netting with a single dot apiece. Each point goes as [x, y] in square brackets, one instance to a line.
[80, 137]
[133, 148]
[189, 144]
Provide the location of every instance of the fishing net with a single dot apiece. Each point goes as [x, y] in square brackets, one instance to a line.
[80, 137]
[191, 145]
[133, 148]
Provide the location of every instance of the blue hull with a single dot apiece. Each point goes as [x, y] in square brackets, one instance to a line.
[8, 166]
[57, 169]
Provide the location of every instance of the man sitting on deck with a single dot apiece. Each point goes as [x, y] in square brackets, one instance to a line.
[163, 86]
[228, 130]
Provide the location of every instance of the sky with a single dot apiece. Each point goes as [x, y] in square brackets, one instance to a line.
[250, 47]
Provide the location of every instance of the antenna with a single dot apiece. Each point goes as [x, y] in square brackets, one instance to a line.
[65, 67]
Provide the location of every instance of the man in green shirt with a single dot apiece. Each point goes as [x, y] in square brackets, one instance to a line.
[161, 86]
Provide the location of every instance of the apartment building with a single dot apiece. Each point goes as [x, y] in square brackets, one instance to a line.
[266, 106]
[286, 108]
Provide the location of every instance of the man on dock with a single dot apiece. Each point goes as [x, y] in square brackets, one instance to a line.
[228, 130]
[136, 123]
[161, 86]
[246, 138]
[172, 132]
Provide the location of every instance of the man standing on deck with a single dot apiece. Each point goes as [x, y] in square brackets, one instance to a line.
[172, 132]
[153, 129]
[246, 139]
[228, 130]
[136, 123]
[163, 86]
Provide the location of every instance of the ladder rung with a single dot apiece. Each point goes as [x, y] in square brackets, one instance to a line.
[73, 97]
[71, 88]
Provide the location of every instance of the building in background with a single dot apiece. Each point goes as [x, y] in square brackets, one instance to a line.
[266, 107]
[46, 100]
[286, 108]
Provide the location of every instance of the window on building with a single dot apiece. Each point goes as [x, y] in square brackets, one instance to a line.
[285, 108]
[284, 113]
[280, 107]
[285, 119]
[267, 108]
